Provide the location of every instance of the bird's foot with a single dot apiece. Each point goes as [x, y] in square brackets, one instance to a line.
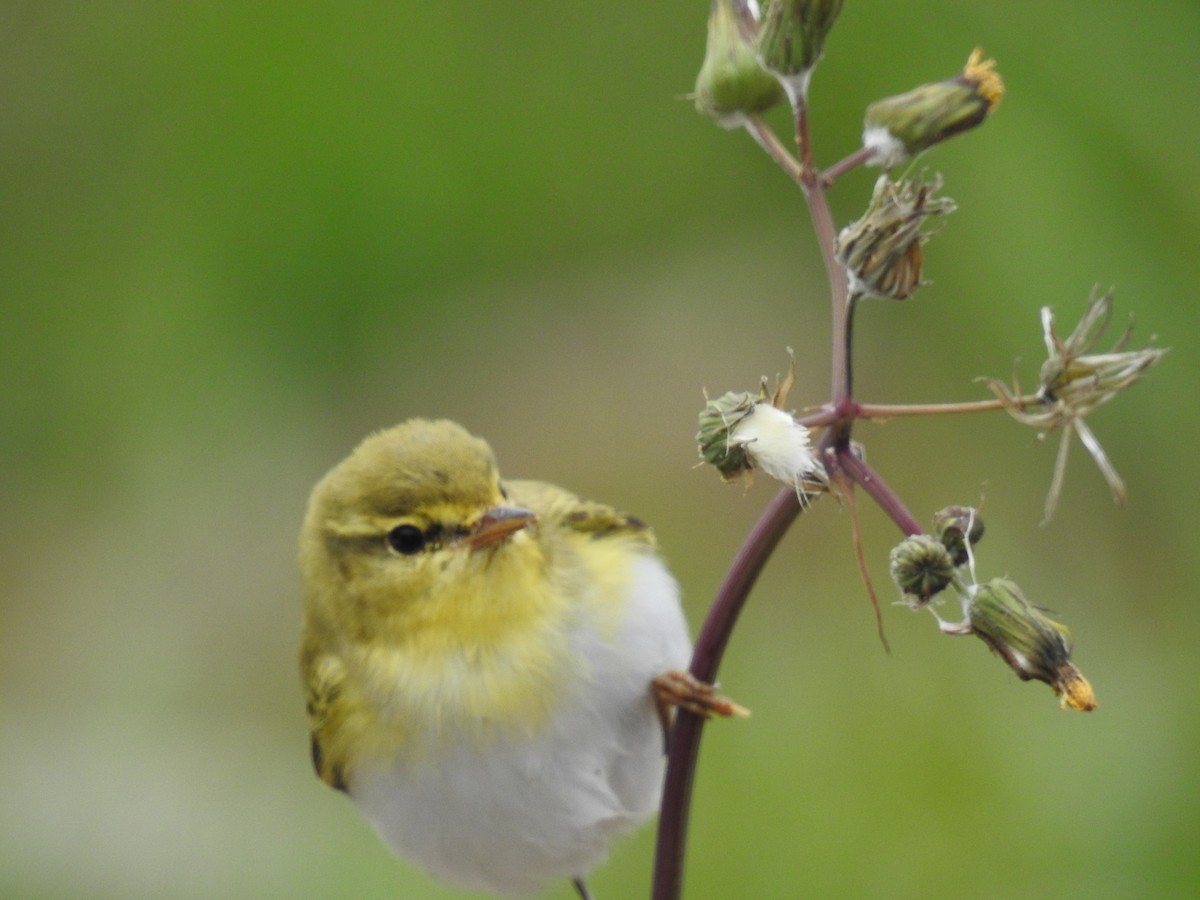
[682, 689]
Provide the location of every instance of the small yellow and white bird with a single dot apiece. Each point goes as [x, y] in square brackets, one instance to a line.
[487, 663]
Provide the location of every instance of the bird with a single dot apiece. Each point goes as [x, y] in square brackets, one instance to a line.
[490, 666]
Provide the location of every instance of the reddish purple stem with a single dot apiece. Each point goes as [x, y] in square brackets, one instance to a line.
[706, 658]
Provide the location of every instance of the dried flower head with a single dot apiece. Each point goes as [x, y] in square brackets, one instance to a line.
[882, 250]
[897, 128]
[1074, 381]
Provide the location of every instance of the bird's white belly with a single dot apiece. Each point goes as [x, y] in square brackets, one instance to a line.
[511, 815]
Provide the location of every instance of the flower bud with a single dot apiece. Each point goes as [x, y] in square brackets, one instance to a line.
[921, 567]
[732, 84]
[1033, 645]
[954, 526]
[899, 127]
[882, 250]
[792, 39]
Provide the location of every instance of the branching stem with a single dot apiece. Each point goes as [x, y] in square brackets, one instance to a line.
[853, 161]
[856, 469]
[772, 525]
[835, 447]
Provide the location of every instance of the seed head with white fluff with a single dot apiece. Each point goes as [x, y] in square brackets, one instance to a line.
[778, 445]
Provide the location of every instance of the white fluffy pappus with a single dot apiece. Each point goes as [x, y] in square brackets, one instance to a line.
[887, 150]
[778, 445]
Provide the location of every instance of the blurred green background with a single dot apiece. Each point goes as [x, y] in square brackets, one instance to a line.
[236, 237]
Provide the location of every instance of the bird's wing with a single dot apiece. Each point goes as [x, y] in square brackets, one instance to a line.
[557, 506]
[324, 676]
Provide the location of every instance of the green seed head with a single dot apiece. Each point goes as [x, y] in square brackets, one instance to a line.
[921, 567]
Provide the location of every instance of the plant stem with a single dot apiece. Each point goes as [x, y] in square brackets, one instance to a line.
[810, 182]
[843, 402]
[839, 416]
[828, 415]
[887, 411]
[854, 160]
[714, 636]
[684, 749]
[857, 470]
[841, 306]
[766, 138]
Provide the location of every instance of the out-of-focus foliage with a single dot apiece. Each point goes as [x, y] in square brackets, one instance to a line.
[234, 238]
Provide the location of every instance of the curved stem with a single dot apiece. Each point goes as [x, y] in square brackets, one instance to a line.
[706, 658]
[857, 470]
[684, 749]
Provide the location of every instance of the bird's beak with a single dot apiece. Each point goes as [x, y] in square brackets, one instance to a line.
[498, 523]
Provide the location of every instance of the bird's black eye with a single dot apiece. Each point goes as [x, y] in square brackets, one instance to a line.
[406, 539]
